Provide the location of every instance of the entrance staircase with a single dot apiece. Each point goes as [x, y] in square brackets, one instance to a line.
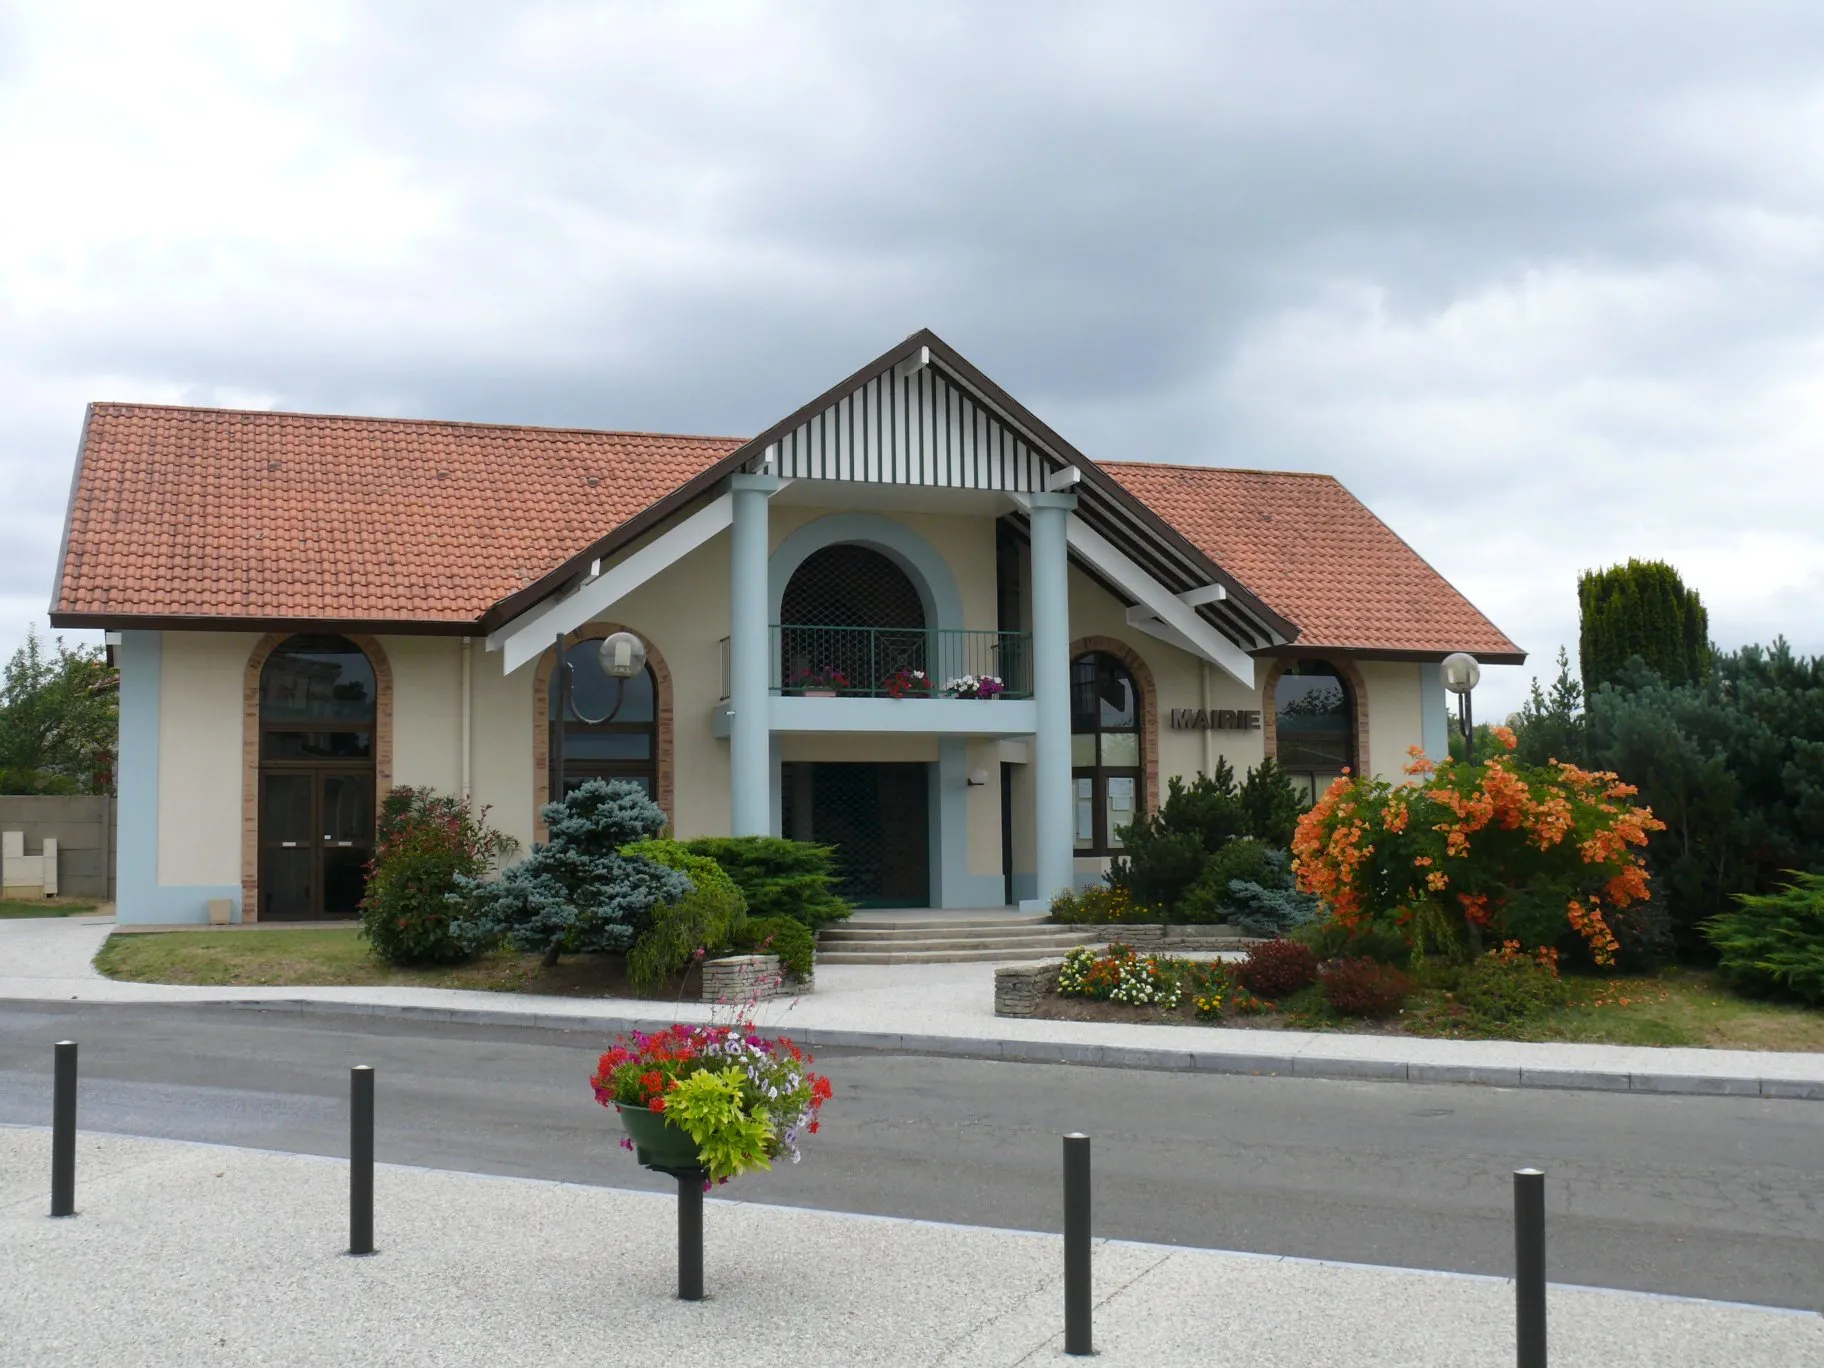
[930, 936]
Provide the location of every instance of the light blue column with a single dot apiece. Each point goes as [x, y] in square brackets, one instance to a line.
[1434, 712]
[750, 732]
[1052, 803]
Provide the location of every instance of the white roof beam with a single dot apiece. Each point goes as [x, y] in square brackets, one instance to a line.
[1121, 571]
[526, 636]
[1209, 593]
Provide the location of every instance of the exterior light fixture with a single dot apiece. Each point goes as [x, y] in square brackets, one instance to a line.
[1461, 675]
[978, 778]
[624, 655]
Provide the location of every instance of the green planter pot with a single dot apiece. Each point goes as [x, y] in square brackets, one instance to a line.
[656, 1142]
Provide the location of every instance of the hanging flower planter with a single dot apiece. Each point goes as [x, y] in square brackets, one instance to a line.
[717, 1100]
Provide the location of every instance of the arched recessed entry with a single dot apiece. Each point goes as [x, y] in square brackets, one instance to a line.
[318, 715]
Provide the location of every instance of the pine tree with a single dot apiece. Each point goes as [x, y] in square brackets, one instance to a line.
[1550, 726]
[1640, 609]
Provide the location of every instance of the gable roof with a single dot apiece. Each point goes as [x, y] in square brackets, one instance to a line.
[188, 517]
[1315, 551]
[255, 518]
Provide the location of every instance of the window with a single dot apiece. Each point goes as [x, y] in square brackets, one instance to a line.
[611, 725]
[1104, 751]
[1315, 720]
[852, 611]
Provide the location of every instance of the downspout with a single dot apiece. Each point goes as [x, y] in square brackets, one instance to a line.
[1209, 740]
[468, 685]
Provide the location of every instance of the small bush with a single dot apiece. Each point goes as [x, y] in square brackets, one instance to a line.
[1772, 944]
[411, 912]
[1208, 900]
[779, 878]
[1098, 905]
[1331, 940]
[786, 937]
[1505, 988]
[1270, 911]
[703, 920]
[1364, 987]
[1277, 968]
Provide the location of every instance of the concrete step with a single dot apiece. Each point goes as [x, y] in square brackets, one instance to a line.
[868, 935]
[886, 921]
[1056, 945]
[959, 956]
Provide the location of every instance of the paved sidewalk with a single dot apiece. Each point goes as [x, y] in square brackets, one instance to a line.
[949, 1009]
[201, 1255]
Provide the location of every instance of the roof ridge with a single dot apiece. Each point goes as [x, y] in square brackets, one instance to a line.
[1221, 470]
[416, 422]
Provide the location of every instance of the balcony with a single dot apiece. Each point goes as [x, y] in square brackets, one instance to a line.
[863, 679]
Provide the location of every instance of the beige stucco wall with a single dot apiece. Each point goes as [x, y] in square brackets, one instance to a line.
[427, 711]
[199, 756]
[1395, 721]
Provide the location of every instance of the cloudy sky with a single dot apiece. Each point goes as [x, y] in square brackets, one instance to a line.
[1539, 281]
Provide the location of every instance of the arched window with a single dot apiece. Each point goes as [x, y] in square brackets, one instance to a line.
[1104, 751]
[316, 809]
[1314, 717]
[611, 728]
[849, 618]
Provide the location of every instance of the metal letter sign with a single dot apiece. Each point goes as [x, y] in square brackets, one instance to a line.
[1215, 719]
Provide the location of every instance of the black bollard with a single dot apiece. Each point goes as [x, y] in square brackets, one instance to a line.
[690, 1236]
[361, 1159]
[1529, 1268]
[63, 1130]
[1079, 1287]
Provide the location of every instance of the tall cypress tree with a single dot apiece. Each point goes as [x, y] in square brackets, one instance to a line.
[1640, 609]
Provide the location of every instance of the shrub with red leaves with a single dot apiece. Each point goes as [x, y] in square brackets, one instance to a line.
[1364, 987]
[1276, 968]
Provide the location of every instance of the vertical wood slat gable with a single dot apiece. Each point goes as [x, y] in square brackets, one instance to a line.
[919, 429]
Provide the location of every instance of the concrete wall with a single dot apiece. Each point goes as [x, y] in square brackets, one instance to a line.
[200, 750]
[83, 825]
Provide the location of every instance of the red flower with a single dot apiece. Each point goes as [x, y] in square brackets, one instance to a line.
[657, 1104]
[814, 1126]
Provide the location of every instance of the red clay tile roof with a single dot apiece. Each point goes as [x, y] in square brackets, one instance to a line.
[1312, 550]
[261, 516]
[268, 517]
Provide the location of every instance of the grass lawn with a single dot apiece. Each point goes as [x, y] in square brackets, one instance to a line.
[324, 958]
[1677, 1007]
[44, 907]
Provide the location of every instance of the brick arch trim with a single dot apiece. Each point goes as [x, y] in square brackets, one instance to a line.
[1149, 704]
[1358, 695]
[250, 751]
[541, 719]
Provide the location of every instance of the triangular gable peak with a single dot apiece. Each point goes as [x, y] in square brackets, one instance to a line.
[911, 424]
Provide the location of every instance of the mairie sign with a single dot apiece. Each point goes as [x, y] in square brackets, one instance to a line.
[1215, 719]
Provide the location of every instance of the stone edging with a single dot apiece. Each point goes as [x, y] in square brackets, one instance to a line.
[1120, 1056]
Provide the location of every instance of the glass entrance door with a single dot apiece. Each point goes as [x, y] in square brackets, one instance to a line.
[316, 837]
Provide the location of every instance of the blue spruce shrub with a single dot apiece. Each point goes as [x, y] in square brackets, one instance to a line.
[578, 893]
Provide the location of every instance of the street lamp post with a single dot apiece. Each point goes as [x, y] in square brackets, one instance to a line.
[1461, 675]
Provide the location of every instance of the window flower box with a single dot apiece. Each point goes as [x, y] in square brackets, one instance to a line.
[975, 686]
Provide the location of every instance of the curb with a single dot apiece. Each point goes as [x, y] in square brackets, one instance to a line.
[1119, 1056]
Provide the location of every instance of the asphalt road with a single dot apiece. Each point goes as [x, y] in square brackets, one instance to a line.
[1709, 1197]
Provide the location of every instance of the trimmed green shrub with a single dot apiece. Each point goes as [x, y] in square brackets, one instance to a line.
[1330, 940]
[786, 937]
[1504, 989]
[1277, 968]
[1364, 987]
[412, 910]
[702, 921]
[1772, 944]
[579, 893]
[779, 878]
[1640, 610]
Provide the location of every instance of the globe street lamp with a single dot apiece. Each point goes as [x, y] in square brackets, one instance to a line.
[1461, 675]
[623, 655]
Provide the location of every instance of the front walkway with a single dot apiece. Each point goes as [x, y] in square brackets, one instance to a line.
[199, 1255]
[949, 1009]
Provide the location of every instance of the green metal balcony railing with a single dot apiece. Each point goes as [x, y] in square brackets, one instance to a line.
[880, 662]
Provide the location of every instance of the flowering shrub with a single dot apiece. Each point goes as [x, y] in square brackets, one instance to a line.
[1122, 975]
[744, 1099]
[904, 683]
[975, 686]
[1364, 987]
[411, 912]
[1277, 968]
[1526, 853]
[823, 677]
[1097, 904]
[1229, 998]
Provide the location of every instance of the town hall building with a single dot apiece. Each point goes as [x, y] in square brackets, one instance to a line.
[908, 619]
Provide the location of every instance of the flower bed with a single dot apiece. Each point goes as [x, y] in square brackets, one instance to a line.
[741, 1099]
